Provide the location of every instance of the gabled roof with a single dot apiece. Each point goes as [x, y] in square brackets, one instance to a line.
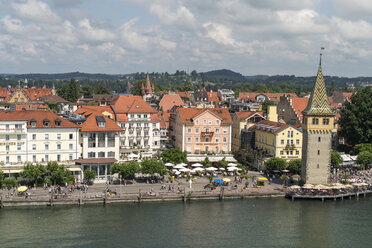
[53, 99]
[36, 93]
[187, 114]
[299, 104]
[39, 116]
[271, 96]
[213, 97]
[318, 103]
[20, 107]
[169, 101]
[91, 125]
[247, 115]
[132, 104]
[87, 110]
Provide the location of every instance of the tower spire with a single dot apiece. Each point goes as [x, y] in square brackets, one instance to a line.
[318, 103]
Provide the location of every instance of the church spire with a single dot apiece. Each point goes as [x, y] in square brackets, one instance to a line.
[318, 103]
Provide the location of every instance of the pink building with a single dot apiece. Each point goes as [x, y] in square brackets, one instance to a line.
[201, 130]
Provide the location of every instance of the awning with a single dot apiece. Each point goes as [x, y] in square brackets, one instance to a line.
[11, 170]
[261, 179]
[74, 168]
[95, 161]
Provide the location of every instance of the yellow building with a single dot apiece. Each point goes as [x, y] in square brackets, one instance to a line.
[279, 140]
[243, 120]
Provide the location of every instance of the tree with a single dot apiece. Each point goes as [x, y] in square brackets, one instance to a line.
[336, 159]
[73, 91]
[206, 163]
[10, 182]
[34, 172]
[174, 155]
[2, 176]
[356, 118]
[275, 164]
[126, 170]
[244, 157]
[89, 175]
[361, 148]
[223, 163]
[137, 87]
[100, 89]
[364, 158]
[58, 174]
[294, 166]
[87, 91]
[152, 166]
[53, 107]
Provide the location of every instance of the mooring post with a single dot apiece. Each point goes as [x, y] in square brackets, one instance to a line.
[51, 200]
[105, 198]
[81, 198]
[1, 202]
[322, 199]
[357, 195]
[222, 193]
[139, 196]
[184, 195]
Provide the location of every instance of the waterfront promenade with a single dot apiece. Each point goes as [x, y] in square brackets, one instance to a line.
[135, 192]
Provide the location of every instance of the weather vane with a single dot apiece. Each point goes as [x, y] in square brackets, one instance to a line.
[320, 60]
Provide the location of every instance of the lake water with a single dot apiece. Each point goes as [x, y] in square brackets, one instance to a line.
[272, 222]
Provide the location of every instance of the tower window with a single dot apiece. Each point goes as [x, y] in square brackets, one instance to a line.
[317, 166]
[319, 139]
[318, 152]
[325, 121]
[315, 121]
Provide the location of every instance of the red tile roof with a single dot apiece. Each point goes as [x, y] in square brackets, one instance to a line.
[132, 104]
[36, 93]
[246, 115]
[19, 107]
[213, 97]
[91, 125]
[299, 104]
[183, 94]
[39, 116]
[169, 101]
[87, 110]
[187, 114]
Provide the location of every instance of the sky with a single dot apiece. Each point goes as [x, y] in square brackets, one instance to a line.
[271, 37]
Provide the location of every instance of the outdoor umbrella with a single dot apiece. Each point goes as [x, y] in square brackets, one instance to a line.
[218, 180]
[22, 188]
[179, 166]
[211, 169]
[232, 169]
[177, 173]
[295, 187]
[174, 170]
[232, 164]
[169, 165]
[221, 169]
[185, 170]
[198, 169]
[182, 164]
[226, 180]
[197, 165]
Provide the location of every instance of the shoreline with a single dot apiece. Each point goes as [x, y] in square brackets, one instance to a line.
[103, 200]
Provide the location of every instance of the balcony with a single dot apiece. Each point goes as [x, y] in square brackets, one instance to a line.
[131, 130]
[138, 129]
[138, 138]
[146, 137]
[207, 134]
[146, 129]
[290, 146]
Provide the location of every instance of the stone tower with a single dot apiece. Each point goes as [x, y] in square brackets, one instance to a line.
[318, 121]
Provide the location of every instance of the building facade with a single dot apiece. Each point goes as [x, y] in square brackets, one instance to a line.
[318, 123]
[199, 131]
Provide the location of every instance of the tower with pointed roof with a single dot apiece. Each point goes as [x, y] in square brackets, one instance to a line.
[147, 90]
[318, 121]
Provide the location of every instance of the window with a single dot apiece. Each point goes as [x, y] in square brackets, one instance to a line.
[7, 126]
[318, 152]
[71, 146]
[188, 148]
[287, 152]
[34, 137]
[145, 116]
[58, 146]
[297, 152]
[46, 147]
[7, 159]
[207, 129]
[91, 154]
[33, 158]
[207, 139]
[196, 139]
[46, 158]
[188, 139]
[58, 136]
[209, 121]
[188, 130]
[7, 137]
[196, 130]
[7, 148]
[19, 147]
[315, 121]
[58, 158]
[317, 166]
[217, 130]
[34, 147]
[101, 154]
[111, 154]
[319, 139]
[291, 152]
[224, 148]
[297, 141]
[132, 116]
[197, 122]
[139, 116]
[325, 121]
[217, 149]
[46, 136]
[217, 122]
[224, 139]
[224, 130]
[19, 158]
[281, 153]
[19, 137]
[217, 139]
[205, 122]
[70, 157]
[153, 124]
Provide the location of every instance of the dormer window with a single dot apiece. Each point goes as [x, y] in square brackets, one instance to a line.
[33, 123]
[58, 122]
[101, 122]
[46, 123]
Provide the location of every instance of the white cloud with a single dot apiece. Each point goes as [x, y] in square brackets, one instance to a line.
[35, 11]
[356, 9]
[94, 33]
